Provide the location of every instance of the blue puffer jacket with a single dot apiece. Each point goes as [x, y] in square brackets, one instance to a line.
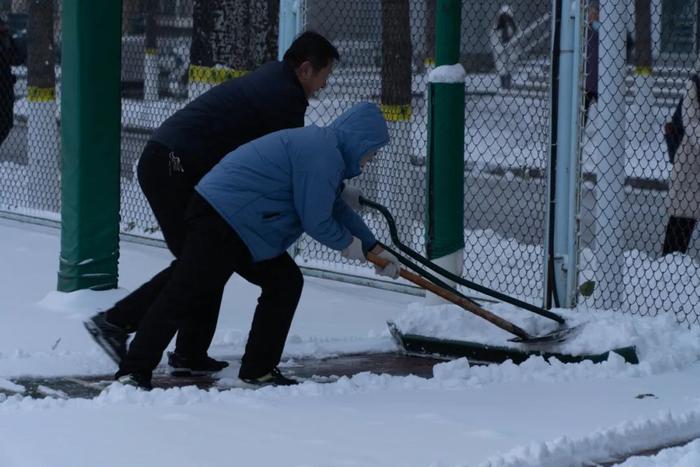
[274, 188]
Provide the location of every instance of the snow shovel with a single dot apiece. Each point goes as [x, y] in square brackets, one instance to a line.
[443, 290]
[449, 275]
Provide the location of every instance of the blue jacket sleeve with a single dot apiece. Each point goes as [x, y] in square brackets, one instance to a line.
[350, 219]
[314, 197]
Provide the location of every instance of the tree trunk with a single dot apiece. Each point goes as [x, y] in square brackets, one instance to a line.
[41, 55]
[202, 30]
[395, 96]
[396, 56]
[232, 35]
[57, 12]
[19, 6]
[130, 9]
[642, 27]
[238, 34]
[201, 53]
[643, 123]
[220, 34]
[429, 59]
[230, 38]
[264, 31]
[42, 130]
[697, 27]
[150, 62]
[151, 41]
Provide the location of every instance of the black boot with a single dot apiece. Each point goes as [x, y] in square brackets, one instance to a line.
[182, 366]
[110, 337]
[137, 380]
[678, 233]
[273, 378]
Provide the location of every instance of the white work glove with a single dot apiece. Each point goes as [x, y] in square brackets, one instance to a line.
[392, 268]
[351, 196]
[354, 250]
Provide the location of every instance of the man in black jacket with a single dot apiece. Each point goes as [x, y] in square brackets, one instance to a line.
[182, 150]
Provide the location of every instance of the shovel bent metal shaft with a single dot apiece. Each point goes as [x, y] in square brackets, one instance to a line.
[456, 299]
[447, 274]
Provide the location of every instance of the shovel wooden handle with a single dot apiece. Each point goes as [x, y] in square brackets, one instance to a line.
[456, 299]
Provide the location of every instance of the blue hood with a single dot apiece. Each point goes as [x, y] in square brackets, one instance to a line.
[283, 184]
[359, 130]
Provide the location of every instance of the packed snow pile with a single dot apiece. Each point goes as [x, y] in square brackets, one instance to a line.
[662, 344]
[610, 444]
[683, 456]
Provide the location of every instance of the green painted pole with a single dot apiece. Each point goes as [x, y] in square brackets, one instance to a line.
[90, 134]
[445, 186]
[448, 21]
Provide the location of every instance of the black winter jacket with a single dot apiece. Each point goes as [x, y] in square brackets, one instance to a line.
[233, 113]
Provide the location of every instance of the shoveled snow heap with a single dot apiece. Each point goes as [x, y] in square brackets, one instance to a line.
[617, 442]
[662, 344]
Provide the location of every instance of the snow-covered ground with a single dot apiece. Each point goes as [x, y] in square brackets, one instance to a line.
[535, 414]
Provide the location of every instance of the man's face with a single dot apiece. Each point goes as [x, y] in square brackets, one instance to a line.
[313, 80]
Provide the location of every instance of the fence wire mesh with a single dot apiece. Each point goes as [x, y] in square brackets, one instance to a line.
[506, 51]
[506, 129]
[634, 204]
[637, 208]
[29, 141]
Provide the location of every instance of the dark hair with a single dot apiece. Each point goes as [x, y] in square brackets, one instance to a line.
[312, 47]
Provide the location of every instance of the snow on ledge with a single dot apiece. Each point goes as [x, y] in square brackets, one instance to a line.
[620, 441]
[448, 74]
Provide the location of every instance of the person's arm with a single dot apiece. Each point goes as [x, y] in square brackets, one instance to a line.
[354, 223]
[393, 265]
[346, 215]
[314, 198]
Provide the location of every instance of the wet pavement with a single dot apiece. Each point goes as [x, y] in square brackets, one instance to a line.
[314, 369]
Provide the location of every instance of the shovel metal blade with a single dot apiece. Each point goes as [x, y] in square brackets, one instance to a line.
[560, 334]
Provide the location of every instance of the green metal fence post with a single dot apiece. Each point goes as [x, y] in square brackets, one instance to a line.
[445, 181]
[90, 134]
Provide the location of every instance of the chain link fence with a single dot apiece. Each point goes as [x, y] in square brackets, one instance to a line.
[29, 139]
[505, 189]
[379, 63]
[386, 53]
[627, 215]
[637, 245]
[506, 50]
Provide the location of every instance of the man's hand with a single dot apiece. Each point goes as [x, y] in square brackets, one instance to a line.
[351, 196]
[392, 268]
[354, 250]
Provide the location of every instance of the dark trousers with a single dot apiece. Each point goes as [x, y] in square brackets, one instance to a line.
[678, 233]
[211, 253]
[168, 187]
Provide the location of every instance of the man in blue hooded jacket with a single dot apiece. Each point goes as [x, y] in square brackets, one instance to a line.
[247, 211]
